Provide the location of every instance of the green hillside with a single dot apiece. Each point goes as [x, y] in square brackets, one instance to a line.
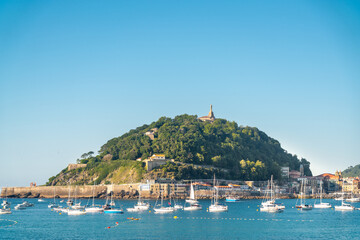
[352, 171]
[234, 152]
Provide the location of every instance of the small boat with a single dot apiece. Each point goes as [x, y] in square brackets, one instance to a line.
[53, 204]
[41, 200]
[113, 210]
[140, 206]
[75, 212]
[161, 208]
[5, 203]
[61, 201]
[232, 199]
[192, 199]
[216, 206]
[77, 206]
[5, 210]
[322, 204]
[20, 206]
[178, 207]
[27, 204]
[303, 205]
[344, 207]
[93, 208]
[57, 209]
[193, 204]
[108, 208]
[269, 205]
[193, 207]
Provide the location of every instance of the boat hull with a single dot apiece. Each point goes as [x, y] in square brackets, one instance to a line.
[193, 208]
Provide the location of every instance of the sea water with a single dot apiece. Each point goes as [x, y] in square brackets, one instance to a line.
[243, 221]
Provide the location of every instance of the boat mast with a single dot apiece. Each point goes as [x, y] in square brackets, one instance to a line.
[320, 191]
[271, 188]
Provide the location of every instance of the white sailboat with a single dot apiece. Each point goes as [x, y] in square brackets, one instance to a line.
[76, 209]
[303, 205]
[192, 198]
[193, 204]
[322, 204]
[344, 206]
[93, 208]
[216, 206]
[77, 205]
[140, 205]
[269, 205]
[53, 204]
[161, 208]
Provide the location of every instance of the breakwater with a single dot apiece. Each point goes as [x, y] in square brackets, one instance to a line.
[122, 191]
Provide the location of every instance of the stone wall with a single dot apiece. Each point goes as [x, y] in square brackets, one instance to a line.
[72, 166]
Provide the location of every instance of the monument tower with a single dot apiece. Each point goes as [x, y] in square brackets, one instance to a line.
[210, 117]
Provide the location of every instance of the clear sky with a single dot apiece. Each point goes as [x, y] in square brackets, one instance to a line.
[74, 74]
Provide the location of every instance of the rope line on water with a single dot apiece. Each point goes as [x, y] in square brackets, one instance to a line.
[128, 220]
[243, 219]
[7, 220]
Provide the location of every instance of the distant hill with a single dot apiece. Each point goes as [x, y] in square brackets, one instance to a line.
[222, 147]
[352, 171]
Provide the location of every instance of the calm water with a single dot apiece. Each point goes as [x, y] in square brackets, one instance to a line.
[242, 221]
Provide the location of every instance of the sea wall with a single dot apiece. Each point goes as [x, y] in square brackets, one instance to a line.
[85, 191]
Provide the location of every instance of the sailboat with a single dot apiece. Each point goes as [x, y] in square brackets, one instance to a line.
[53, 204]
[303, 205]
[110, 208]
[161, 208]
[344, 206]
[353, 199]
[322, 204]
[77, 205]
[192, 198]
[140, 205]
[216, 206]
[93, 208]
[69, 202]
[269, 205]
[193, 203]
[76, 209]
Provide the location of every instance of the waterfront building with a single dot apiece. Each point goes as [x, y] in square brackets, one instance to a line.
[154, 161]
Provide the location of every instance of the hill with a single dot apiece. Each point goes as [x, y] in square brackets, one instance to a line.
[221, 147]
[352, 171]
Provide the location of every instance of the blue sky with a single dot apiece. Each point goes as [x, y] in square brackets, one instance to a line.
[74, 74]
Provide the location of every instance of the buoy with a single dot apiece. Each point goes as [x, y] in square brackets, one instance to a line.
[175, 217]
[149, 210]
[257, 210]
[117, 223]
[59, 213]
[108, 227]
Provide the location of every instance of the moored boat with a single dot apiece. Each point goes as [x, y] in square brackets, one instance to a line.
[322, 204]
[216, 206]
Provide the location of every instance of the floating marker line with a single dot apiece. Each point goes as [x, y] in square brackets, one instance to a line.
[7, 220]
[244, 219]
